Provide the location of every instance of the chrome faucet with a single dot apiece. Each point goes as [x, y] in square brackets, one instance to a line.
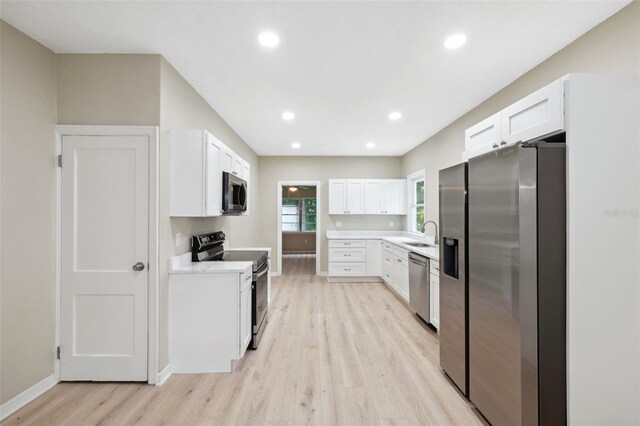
[435, 225]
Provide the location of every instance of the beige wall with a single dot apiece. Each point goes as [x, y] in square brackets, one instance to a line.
[274, 169]
[109, 89]
[181, 107]
[28, 186]
[298, 242]
[611, 47]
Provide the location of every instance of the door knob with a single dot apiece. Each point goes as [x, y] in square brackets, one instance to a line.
[138, 266]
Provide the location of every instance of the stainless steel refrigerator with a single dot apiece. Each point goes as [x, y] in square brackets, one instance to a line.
[454, 338]
[517, 284]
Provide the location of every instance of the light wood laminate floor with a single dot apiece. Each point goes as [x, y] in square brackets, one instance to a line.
[332, 354]
[299, 264]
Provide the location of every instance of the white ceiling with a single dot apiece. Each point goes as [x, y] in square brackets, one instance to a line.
[340, 66]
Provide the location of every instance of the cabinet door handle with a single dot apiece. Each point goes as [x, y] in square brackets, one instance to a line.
[495, 145]
[503, 143]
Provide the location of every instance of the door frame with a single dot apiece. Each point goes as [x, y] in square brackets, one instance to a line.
[279, 186]
[152, 132]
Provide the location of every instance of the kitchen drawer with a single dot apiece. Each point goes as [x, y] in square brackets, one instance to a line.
[387, 260]
[348, 254]
[347, 243]
[387, 246]
[434, 267]
[343, 269]
[402, 253]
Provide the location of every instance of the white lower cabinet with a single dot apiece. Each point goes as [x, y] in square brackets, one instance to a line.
[374, 258]
[209, 320]
[245, 312]
[434, 293]
[396, 269]
[355, 258]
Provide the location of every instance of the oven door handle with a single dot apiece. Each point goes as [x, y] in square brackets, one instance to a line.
[260, 273]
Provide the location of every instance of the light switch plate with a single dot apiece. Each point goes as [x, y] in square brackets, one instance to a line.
[178, 239]
[339, 224]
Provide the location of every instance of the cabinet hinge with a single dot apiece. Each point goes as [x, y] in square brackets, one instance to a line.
[60, 160]
[58, 352]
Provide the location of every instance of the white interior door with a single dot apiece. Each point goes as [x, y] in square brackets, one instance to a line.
[104, 241]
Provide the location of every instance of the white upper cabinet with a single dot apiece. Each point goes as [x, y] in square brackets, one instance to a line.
[346, 196]
[337, 196]
[232, 163]
[197, 161]
[367, 196]
[394, 196]
[538, 115]
[213, 199]
[355, 196]
[246, 171]
[374, 196]
[483, 137]
[385, 196]
[237, 166]
[226, 160]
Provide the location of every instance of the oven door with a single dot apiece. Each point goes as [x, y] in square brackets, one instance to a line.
[234, 194]
[259, 296]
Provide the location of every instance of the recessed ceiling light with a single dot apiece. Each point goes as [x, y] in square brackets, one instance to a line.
[371, 145]
[396, 115]
[455, 41]
[268, 39]
[295, 145]
[288, 115]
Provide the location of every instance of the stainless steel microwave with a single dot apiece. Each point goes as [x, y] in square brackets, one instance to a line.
[234, 194]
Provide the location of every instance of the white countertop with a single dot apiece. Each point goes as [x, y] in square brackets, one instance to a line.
[397, 238]
[182, 265]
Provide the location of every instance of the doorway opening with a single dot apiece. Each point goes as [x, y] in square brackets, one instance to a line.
[299, 224]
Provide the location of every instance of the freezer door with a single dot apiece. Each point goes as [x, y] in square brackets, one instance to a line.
[502, 337]
[453, 275]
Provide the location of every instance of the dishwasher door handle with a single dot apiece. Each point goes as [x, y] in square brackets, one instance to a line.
[424, 265]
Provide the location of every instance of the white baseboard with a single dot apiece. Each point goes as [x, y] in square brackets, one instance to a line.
[22, 399]
[164, 375]
[322, 274]
[354, 279]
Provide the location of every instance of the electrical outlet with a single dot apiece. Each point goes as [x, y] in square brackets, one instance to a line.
[339, 224]
[391, 224]
[178, 239]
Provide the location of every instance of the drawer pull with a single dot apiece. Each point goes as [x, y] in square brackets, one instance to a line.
[248, 278]
[347, 255]
[347, 244]
[398, 260]
[347, 269]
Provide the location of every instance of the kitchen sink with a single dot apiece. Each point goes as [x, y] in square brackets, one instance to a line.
[418, 245]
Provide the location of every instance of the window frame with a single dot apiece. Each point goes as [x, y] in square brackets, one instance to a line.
[300, 215]
[412, 205]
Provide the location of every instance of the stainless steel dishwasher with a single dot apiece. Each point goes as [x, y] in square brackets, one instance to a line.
[419, 297]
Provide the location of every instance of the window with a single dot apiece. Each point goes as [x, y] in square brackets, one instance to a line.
[416, 201]
[298, 214]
